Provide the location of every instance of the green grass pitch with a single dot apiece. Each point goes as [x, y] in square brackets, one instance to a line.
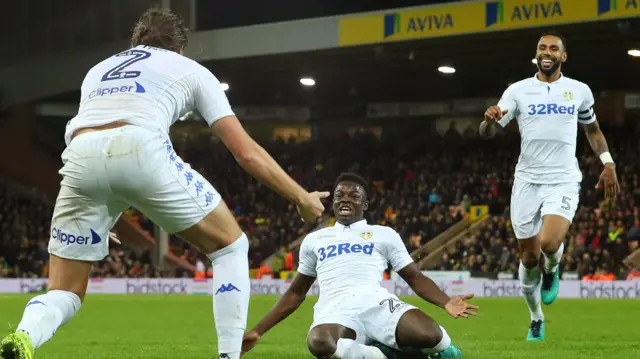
[146, 326]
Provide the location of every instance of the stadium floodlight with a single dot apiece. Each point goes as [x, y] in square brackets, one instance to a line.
[634, 52]
[534, 61]
[307, 81]
[224, 85]
[446, 69]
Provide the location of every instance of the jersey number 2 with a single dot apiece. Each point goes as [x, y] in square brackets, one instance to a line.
[393, 306]
[118, 72]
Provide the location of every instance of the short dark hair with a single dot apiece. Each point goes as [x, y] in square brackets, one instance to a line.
[558, 35]
[352, 177]
[161, 28]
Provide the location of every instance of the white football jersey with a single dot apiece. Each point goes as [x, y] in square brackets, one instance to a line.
[548, 116]
[148, 87]
[350, 260]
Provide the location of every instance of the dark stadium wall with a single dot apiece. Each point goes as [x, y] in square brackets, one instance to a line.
[610, 108]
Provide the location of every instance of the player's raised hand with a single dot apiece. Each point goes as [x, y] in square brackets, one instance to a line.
[249, 341]
[458, 307]
[609, 182]
[494, 113]
[311, 207]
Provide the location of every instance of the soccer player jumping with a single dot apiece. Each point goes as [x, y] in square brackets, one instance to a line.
[355, 317]
[545, 193]
[119, 154]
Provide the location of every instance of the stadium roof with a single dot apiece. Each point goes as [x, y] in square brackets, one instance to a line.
[407, 71]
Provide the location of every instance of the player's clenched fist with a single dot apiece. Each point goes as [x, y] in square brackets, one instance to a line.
[310, 206]
[494, 113]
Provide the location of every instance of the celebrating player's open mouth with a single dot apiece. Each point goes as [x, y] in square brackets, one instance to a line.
[547, 64]
[345, 210]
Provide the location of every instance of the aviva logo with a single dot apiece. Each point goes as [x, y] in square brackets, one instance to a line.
[417, 24]
[391, 24]
[610, 6]
[495, 12]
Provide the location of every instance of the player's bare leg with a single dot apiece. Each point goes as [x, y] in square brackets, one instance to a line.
[552, 235]
[338, 341]
[531, 282]
[419, 336]
[44, 314]
[322, 340]
[219, 236]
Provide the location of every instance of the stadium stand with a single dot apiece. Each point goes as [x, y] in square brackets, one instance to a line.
[601, 237]
[421, 186]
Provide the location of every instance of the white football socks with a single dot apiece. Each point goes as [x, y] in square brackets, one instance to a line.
[349, 349]
[231, 291]
[552, 262]
[444, 343]
[531, 282]
[45, 313]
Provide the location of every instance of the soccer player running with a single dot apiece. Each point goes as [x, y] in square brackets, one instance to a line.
[355, 317]
[546, 187]
[119, 155]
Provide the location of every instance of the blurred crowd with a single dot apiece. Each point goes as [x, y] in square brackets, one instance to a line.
[24, 232]
[25, 217]
[421, 184]
[416, 187]
[603, 233]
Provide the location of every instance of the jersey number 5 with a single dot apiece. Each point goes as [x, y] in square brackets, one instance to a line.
[118, 72]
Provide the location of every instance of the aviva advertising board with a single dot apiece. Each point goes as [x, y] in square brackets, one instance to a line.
[477, 16]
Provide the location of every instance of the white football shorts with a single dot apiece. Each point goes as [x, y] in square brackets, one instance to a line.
[106, 172]
[530, 202]
[374, 318]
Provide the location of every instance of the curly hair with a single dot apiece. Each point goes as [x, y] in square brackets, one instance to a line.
[160, 28]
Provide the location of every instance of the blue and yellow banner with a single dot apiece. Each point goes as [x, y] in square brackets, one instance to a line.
[478, 212]
[477, 16]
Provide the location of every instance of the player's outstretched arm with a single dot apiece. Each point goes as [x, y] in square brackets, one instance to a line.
[258, 163]
[213, 105]
[608, 179]
[424, 287]
[428, 290]
[287, 304]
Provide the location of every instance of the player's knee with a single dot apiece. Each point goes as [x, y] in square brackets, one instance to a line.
[428, 337]
[217, 230]
[550, 243]
[320, 346]
[68, 275]
[238, 248]
[529, 260]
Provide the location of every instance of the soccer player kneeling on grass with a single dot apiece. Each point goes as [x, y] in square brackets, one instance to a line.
[355, 316]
